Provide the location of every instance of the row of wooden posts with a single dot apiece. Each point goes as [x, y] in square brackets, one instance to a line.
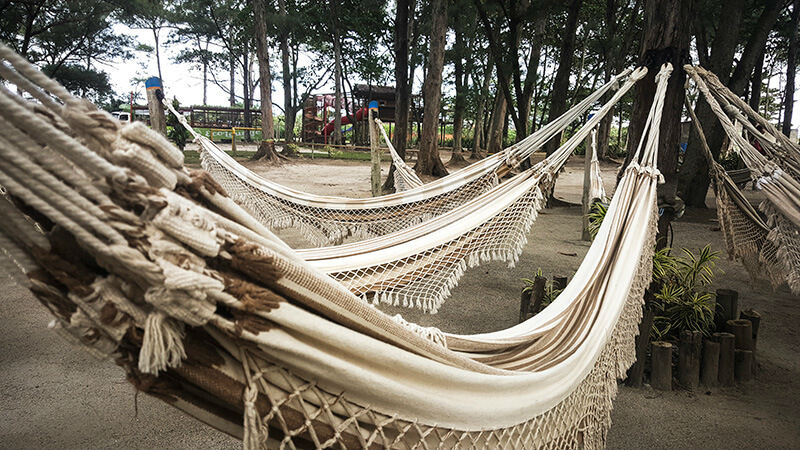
[723, 359]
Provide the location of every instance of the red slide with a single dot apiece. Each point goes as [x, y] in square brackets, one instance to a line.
[345, 121]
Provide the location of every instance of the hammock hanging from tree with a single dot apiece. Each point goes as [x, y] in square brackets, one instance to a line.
[326, 220]
[767, 248]
[404, 176]
[418, 266]
[143, 261]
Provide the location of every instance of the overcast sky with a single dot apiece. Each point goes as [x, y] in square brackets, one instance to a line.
[186, 82]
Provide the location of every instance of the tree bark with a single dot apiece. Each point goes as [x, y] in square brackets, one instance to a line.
[694, 178]
[428, 161]
[791, 71]
[666, 39]
[288, 106]
[477, 134]
[401, 91]
[756, 81]
[337, 102]
[460, 103]
[266, 150]
[232, 73]
[558, 101]
[497, 120]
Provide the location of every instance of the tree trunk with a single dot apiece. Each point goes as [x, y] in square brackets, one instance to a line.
[666, 39]
[232, 72]
[429, 162]
[694, 178]
[266, 150]
[558, 101]
[247, 97]
[158, 53]
[791, 71]
[288, 106]
[756, 81]
[477, 135]
[494, 137]
[401, 93]
[337, 102]
[460, 103]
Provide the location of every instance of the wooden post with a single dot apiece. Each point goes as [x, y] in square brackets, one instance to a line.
[524, 304]
[689, 359]
[744, 365]
[727, 307]
[709, 376]
[375, 178]
[727, 346]
[755, 319]
[559, 282]
[636, 372]
[587, 181]
[155, 93]
[537, 295]
[743, 331]
[661, 374]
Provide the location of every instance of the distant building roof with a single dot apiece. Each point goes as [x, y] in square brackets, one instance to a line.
[373, 92]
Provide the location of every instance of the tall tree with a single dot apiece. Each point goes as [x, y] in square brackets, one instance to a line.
[288, 109]
[402, 95]
[151, 15]
[719, 57]
[477, 133]
[666, 39]
[428, 161]
[791, 69]
[558, 97]
[504, 27]
[70, 41]
[266, 149]
[459, 52]
[620, 34]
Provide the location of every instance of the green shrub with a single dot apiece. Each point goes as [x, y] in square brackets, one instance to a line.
[682, 299]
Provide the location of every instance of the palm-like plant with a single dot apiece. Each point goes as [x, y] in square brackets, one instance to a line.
[684, 303]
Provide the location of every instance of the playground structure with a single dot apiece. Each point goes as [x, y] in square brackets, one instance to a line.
[319, 114]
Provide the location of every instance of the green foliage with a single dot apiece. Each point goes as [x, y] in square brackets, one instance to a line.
[596, 215]
[176, 132]
[682, 298]
[550, 291]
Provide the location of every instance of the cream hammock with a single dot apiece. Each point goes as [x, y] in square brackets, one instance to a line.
[404, 176]
[596, 190]
[418, 266]
[327, 220]
[768, 248]
[141, 260]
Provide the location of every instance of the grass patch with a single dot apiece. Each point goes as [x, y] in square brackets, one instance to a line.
[344, 155]
[193, 156]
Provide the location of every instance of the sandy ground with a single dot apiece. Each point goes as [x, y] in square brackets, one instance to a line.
[55, 396]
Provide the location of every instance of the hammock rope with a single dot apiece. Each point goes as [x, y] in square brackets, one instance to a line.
[405, 178]
[419, 266]
[328, 220]
[225, 322]
[776, 241]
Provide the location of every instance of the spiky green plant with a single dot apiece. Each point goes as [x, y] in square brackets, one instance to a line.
[683, 301]
[596, 215]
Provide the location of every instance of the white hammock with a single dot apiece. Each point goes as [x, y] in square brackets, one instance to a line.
[327, 220]
[596, 190]
[418, 266]
[201, 306]
[778, 249]
[405, 178]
